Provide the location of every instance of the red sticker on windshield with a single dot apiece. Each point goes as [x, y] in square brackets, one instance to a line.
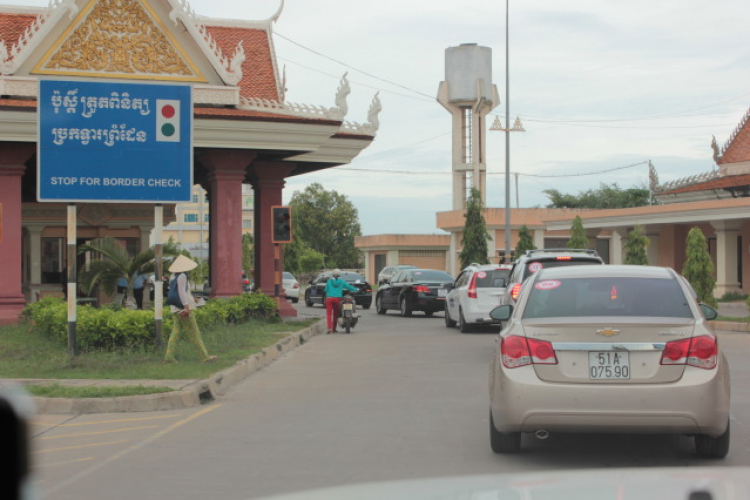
[481, 275]
[535, 266]
[547, 285]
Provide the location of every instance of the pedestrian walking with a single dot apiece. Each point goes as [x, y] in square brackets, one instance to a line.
[183, 318]
[334, 290]
[138, 283]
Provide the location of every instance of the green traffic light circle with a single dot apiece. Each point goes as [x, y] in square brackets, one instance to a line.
[167, 129]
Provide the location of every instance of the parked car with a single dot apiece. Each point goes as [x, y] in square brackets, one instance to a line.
[315, 293]
[291, 287]
[535, 260]
[247, 285]
[623, 349]
[412, 290]
[477, 291]
[387, 272]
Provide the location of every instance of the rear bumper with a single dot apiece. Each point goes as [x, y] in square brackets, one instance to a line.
[696, 404]
[432, 304]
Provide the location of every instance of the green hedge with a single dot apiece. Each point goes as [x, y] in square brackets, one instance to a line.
[113, 327]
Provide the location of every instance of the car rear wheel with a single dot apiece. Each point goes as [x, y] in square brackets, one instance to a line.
[405, 307]
[294, 301]
[429, 313]
[463, 326]
[504, 442]
[712, 447]
[379, 305]
[449, 323]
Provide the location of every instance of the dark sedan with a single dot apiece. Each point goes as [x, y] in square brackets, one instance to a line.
[414, 290]
[315, 293]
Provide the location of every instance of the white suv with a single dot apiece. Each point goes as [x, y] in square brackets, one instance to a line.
[476, 292]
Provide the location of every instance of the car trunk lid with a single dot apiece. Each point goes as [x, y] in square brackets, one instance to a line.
[621, 351]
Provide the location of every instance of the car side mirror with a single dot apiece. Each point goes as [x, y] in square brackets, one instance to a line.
[448, 286]
[709, 312]
[502, 313]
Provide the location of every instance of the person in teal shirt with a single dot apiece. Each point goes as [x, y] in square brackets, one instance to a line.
[334, 290]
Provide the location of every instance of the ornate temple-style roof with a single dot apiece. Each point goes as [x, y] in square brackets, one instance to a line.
[231, 65]
[731, 178]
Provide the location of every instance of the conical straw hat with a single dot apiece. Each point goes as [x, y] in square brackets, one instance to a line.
[182, 265]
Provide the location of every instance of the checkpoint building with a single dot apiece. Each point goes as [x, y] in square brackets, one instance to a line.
[243, 131]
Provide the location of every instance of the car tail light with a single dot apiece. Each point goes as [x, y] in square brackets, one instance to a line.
[472, 291]
[422, 288]
[296, 285]
[564, 257]
[246, 281]
[520, 351]
[699, 351]
[515, 291]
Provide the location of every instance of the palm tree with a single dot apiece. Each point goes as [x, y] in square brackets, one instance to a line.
[116, 264]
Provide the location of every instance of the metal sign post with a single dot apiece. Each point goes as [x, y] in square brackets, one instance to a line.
[72, 287]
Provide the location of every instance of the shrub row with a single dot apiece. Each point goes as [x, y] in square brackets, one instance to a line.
[112, 327]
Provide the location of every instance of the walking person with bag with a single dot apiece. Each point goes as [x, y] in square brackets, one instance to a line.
[182, 305]
[334, 290]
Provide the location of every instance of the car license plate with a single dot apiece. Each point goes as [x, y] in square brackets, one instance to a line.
[442, 292]
[348, 307]
[609, 365]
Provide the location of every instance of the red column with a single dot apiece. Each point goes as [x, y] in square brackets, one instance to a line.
[12, 167]
[226, 171]
[268, 183]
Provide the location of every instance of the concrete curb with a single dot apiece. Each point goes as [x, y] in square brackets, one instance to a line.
[731, 326]
[190, 394]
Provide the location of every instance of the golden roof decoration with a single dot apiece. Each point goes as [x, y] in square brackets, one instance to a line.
[119, 39]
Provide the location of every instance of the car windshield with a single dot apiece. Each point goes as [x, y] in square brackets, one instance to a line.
[491, 278]
[537, 265]
[428, 275]
[288, 276]
[611, 296]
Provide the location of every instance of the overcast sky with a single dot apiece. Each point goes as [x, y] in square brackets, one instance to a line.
[598, 84]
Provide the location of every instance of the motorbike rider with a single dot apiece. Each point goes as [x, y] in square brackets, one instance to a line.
[334, 290]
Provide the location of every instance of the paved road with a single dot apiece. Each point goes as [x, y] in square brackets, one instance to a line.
[399, 398]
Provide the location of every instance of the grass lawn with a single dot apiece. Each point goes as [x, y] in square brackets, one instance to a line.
[61, 391]
[28, 354]
[736, 320]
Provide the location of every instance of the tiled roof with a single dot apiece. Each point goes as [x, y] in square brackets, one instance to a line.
[715, 183]
[258, 75]
[737, 148]
[12, 27]
[230, 113]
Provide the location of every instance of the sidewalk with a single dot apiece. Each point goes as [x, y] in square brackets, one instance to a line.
[185, 394]
[737, 309]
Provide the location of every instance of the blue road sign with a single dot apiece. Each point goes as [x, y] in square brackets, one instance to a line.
[114, 142]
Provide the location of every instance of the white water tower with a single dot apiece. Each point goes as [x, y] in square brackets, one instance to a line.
[469, 95]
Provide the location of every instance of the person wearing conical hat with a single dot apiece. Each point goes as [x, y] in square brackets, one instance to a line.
[183, 320]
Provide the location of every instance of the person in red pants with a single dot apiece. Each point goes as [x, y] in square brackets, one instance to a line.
[334, 290]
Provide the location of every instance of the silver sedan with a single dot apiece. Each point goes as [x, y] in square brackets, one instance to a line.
[608, 349]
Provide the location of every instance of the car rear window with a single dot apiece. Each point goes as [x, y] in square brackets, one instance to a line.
[538, 265]
[630, 297]
[438, 276]
[352, 277]
[489, 278]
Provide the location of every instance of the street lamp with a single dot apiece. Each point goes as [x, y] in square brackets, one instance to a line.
[517, 127]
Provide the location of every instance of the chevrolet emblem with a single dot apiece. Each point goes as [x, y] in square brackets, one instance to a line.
[608, 332]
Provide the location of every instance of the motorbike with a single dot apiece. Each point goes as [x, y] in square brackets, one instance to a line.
[348, 313]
